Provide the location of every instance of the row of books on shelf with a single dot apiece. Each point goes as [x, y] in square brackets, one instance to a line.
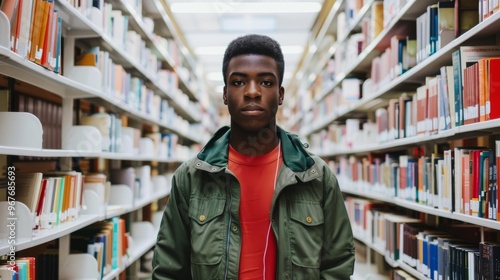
[57, 197]
[460, 180]
[107, 241]
[372, 23]
[120, 85]
[115, 23]
[415, 41]
[35, 31]
[463, 93]
[448, 251]
[46, 34]
[43, 266]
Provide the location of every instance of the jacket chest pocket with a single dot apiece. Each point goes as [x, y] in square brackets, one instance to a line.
[207, 230]
[306, 233]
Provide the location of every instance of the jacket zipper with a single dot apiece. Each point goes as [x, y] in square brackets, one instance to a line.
[228, 231]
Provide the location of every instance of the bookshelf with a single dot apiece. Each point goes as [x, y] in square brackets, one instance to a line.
[324, 117]
[183, 117]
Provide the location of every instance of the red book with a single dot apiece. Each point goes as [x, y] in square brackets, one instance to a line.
[422, 110]
[466, 184]
[41, 199]
[494, 87]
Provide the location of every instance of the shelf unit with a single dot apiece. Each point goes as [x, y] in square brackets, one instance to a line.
[185, 101]
[309, 122]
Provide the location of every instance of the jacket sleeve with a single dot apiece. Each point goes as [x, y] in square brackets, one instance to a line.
[172, 253]
[337, 260]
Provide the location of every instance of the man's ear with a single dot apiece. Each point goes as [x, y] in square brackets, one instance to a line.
[281, 96]
[224, 95]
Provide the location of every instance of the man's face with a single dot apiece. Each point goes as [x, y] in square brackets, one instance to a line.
[252, 93]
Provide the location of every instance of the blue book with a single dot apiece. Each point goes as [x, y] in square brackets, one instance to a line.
[114, 257]
[457, 81]
[433, 258]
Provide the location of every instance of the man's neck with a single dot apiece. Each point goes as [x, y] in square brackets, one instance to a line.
[254, 143]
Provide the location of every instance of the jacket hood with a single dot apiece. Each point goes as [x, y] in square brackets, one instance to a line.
[295, 156]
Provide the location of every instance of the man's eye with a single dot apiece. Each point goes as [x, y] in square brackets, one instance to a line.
[237, 83]
[267, 83]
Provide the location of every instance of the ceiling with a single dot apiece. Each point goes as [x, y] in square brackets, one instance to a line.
[208, 27]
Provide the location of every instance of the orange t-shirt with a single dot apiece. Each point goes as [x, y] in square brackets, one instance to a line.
[257, 176]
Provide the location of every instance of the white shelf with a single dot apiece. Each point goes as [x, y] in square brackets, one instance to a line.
[44, 236]
[477, 221]
[477, 129]
[45, 152]
[16, 151]
[425, 208]
[11, 64]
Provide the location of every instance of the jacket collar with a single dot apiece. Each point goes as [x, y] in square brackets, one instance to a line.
[295, 156]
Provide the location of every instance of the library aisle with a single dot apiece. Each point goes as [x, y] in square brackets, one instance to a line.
[102, 100]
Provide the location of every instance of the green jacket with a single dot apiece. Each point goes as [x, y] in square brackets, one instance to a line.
[199, 237]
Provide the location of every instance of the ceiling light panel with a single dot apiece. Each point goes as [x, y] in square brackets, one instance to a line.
[238, 7]
[248, 23]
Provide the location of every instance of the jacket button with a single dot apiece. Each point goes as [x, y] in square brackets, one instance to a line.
[202, 218]
[309, 220]
[234, 228]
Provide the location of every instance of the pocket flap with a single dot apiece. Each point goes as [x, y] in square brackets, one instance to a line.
[203, 210]
[307, 213]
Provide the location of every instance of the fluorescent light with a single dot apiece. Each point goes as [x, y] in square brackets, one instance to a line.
[248, 23]
[237, 7]
[219, 50]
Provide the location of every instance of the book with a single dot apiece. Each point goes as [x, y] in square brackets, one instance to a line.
[47, 12]
[24, 28]
[28, 187]
[9, 8]
[489, 261]
[38, 23]
[493, 84]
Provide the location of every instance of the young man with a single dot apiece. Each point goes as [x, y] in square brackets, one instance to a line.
[254, 204]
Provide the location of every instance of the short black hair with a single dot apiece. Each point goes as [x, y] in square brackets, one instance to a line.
[254, 44]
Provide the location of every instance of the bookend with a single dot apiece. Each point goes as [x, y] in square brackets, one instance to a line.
[4, 31]
[91, 205]
[83, 138]
[22, 222]
[121, 195]
[75, 266]
[87, 75]
[96, 17]
[24, 130]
